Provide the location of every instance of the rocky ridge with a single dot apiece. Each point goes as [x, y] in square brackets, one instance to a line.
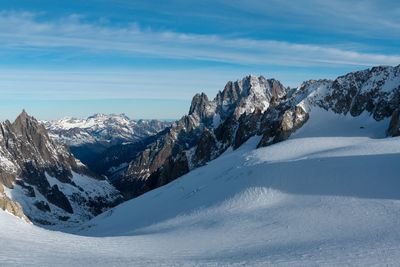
[90, 138]
[53, 187]
[257, 106]
[45, 179]
[112, 129]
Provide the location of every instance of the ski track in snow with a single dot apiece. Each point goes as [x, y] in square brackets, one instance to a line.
[320, 198]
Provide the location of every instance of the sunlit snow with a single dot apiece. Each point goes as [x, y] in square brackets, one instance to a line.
[327, 196]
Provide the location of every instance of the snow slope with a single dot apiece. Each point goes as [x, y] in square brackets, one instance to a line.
[327, 196]
[81, 193]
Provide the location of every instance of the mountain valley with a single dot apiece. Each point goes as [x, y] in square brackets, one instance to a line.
[297, 176]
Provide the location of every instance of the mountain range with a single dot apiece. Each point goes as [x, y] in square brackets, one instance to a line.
[261, 175]
[257, 106]
[131, 158]
[103, 142]
[102, 128]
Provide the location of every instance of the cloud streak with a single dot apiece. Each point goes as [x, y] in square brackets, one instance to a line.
[365, 19]
[21, 31]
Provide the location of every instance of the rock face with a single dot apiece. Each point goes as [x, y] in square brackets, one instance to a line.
[90, 138]
[12, 207]
[53, 187]
[41, 179]
[278, 125]
[43, 176]
[255, 106]
[376, 91]
[394, 125]
[202, 135]
[113, 161]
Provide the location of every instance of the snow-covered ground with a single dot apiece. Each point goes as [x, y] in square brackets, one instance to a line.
[328, 196]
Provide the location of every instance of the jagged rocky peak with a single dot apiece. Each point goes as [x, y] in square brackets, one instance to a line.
[23, 116]
[26, 125]
[36, 147]
[201, 106]
[258, 106]
[247, 95]
[202, 135]
[242, 96]
[199, 102]
[43, 176]
[375, 90]
[37, 140]
[24, 122]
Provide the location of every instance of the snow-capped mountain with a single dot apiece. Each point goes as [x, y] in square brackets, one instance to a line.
[45, 179]
[327, 196]
[92, 139]
[101, 128]
[268, 175]
[252, 106]
[256, 106]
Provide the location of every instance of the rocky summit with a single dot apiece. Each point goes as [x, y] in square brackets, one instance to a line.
[51, 186]
[257, 106]
[41, 179]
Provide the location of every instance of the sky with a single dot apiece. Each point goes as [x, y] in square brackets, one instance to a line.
[148, 58]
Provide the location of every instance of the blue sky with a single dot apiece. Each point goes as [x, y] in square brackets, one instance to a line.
[148, 58]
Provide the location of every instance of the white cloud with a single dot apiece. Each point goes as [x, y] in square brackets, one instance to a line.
[368, 19]
[27, 30]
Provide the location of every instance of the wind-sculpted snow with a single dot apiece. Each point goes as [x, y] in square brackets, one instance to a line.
[320, 198]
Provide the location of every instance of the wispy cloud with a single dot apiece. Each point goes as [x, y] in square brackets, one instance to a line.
[20, 30]
[370, 19]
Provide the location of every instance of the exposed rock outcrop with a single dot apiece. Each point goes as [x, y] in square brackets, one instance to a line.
[53, 187]
[48, 181]
[12, 207]
[207, 144]
[279, 128]
[375, 90]
[202, 135]
[394, 125]
[255, 106]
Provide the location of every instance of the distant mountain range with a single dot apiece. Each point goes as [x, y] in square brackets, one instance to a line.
[38, 171]
[101, 128]
[89, 138]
